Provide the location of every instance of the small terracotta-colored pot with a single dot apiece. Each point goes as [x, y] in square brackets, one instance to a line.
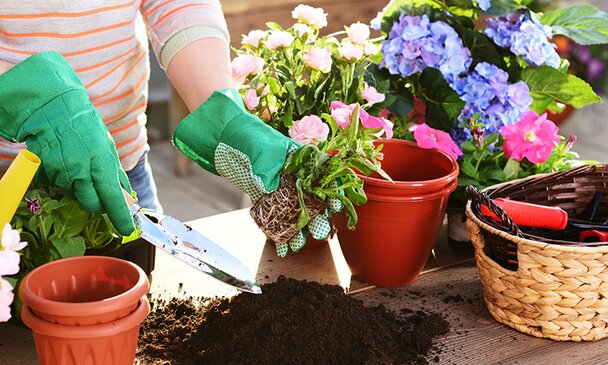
[85, 290]
[400, 222]
[112, 343]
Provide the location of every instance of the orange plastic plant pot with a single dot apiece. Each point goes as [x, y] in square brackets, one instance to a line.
[84, 290]
[399, 224]
[113, 343]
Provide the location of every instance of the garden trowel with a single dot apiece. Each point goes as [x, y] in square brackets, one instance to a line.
[191, 247]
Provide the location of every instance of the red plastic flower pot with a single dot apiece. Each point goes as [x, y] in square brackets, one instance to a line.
[85, 290]
[112, 343]
[400, 222]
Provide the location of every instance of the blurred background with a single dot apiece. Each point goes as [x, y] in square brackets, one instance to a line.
[188, 192]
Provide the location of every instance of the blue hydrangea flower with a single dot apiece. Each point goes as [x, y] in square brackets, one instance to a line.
[483, 4]
[486, 91]
[414, 43]
[524, 37]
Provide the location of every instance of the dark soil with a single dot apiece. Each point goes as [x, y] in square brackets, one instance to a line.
[292, 322]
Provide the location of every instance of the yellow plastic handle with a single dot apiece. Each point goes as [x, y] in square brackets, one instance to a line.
[15, 182]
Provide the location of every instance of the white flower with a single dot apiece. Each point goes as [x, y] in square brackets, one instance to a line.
[309, 15]
[10, 239]
[279, 39]
[6, 298]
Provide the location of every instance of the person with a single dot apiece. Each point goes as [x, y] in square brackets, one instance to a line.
[73, 89]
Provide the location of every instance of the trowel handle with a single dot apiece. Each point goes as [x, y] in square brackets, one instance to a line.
[530, 215]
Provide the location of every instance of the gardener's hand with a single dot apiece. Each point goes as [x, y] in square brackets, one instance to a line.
[225, 139]
[44, 104]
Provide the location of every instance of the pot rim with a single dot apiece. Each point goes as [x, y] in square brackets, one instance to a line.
[413, 185]
[74, 309]
[440, 193]
[44, 328]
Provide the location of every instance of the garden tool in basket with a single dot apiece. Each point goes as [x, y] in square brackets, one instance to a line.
[191, 247]
[554, 218]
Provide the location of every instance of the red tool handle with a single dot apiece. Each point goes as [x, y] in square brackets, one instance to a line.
[530, 215]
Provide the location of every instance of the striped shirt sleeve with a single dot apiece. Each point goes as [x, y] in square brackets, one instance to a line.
[173, 24]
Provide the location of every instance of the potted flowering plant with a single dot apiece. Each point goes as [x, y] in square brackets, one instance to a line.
[288, 74]
[320, 174]
[477, 78]
[55, 227]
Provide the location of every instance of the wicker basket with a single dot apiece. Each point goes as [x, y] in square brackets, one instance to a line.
[552, 287]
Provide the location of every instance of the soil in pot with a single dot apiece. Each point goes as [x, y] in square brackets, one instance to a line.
[292, 322]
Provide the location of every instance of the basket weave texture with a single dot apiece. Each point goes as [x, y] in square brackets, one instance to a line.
[555, 290]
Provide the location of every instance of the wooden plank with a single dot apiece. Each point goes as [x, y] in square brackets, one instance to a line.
[475, 336]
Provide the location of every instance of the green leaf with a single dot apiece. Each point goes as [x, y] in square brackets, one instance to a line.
[503, 7]
[497, 175]
[511, 169]
[274, 26]
[468, 169]
[482, 48]
[443, 106]
[72, 219]
[69, 247]
[584, 24]
[12, 281]
[546, 82]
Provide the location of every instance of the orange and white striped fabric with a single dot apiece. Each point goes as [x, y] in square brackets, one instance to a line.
[105, 42]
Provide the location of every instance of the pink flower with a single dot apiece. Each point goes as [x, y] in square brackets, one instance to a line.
[301, 29]
[427, 137]
[6, 298]
[253, 38]
[318, 59]
[533, 137]
[341, 113]
[308, 15]
[245, 65]
[10, 239]
[251, 99]
[418, 112]
[370, 49]
[358, 33]
[309, 130]
[350, 51]
[279, 39]
[371, 95]
[268, 111]
[264, 89]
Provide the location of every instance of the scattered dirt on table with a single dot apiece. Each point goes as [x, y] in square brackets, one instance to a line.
[292, 322]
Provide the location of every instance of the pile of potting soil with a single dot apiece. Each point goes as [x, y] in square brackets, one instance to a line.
[291, 322]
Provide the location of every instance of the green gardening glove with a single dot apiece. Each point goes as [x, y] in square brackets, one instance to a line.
[225, 139]
[44, 104]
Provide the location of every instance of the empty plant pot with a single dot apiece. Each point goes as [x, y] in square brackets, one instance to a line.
[400, 222]
[112, 343]
[85, 290]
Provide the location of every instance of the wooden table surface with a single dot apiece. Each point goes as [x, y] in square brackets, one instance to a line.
[449, 285]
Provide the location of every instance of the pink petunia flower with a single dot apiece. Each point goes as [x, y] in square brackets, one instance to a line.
[428, 138]
[309, 130]
[318, 59]
[251, 99]
[279, 40]
[6, 298]
[308, 15]
[341, 113]
[253, 38]
[533, 137]
[371, 95]
[358, 33]
[245, 65]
